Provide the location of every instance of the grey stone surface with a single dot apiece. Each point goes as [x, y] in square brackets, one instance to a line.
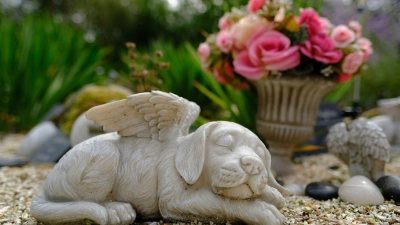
[36, 137]
[51, 150]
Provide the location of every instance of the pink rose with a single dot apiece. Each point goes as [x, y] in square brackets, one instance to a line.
[247, 68]
[224, 41]
[342, 36]
[344, 78]
[204, 52]
[325, 24]
[309, 17]
[352, 62]
[225, 74]
[366, 47]
[266, 50]
[246, 27]
[219, 78]
[224, 23]
[254, 5]
[356, 27]
[320, 47]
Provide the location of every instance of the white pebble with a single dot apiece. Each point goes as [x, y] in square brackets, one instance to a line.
[296, 189]
[360, 190]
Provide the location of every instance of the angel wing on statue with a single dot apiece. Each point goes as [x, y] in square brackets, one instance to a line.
[155, 115]
[362, 146]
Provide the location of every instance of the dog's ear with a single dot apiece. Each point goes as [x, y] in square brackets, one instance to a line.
[189, 160]
[271, 179]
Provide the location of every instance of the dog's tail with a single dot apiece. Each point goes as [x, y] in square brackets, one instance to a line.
[61, 212]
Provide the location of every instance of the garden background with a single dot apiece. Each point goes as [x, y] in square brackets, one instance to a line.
[52, 48]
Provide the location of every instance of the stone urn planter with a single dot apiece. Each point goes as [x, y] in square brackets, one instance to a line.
[286, 115]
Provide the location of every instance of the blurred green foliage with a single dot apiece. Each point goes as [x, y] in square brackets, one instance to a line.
[141, 21]
[380, 80]
[184, 70]
[315, 4]
[41, 62]
[186, 78]
[234, 105]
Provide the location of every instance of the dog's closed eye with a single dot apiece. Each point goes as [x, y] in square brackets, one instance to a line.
[225, 141]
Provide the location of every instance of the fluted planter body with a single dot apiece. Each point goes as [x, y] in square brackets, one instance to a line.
[286, 115]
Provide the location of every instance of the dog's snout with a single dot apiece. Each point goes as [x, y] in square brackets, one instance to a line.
[251, 164]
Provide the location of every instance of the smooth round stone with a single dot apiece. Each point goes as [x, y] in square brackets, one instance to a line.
[321, 190]
[295, 189]
[390, 186]
[361, 191]
[36, 137]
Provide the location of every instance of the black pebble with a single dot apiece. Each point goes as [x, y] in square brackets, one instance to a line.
[334, 167]
[321, 191]
[280, 181]
[390, 187]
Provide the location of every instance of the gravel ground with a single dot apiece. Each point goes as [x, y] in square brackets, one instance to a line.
[19, 184]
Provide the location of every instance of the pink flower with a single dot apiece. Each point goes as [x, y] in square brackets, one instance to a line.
[344, 78]
[245, 67]
[219, 78]
[204, 52]
[320, 47]
[254, 5]
[224, 23]
[224, 41]
[266, 50]
[309, 17]
[325, 24]
[356, 27]
[342, 36]
[366, 47]
[246, 27]
[280, 15]
[352, 62]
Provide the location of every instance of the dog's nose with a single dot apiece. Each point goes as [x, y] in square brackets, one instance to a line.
[251, 164]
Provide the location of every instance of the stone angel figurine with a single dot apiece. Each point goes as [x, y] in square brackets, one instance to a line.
[152, 168]
[363, 147]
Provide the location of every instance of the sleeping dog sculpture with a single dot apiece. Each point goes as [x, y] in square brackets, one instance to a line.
[151, 168]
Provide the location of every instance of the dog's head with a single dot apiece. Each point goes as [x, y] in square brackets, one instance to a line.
[233, 160]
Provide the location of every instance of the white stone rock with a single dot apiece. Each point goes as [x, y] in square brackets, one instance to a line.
[386, 124]
[83, 129]
[296, 189]
[35, 138]
[360, 190]
[390, 107]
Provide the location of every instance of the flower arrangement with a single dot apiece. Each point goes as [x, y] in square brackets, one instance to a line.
[261, 40]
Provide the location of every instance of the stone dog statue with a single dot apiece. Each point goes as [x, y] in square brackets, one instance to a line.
[152, 168]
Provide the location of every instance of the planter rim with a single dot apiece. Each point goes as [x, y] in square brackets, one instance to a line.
[304, 78]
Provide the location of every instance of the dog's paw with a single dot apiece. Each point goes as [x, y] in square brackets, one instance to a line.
[267, 214]
[120, 213]
[274, 197]
[277, 217]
